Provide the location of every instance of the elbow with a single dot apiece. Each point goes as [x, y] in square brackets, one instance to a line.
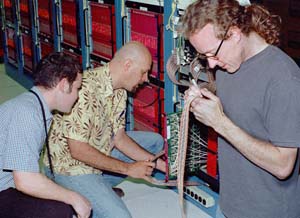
[77, 148]
[286, 164]
[21, 184]
[75, 154]
[284, 172]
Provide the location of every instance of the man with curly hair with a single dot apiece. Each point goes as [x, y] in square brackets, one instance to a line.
[256, 111]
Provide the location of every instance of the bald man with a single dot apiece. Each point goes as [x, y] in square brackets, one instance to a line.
[90, 150]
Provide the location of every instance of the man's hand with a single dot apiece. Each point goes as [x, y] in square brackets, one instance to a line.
[81, 205]
[38, 185]
[161, 165]
[206, 107]
[141, 169]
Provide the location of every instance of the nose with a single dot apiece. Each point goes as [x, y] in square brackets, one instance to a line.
[212, 62]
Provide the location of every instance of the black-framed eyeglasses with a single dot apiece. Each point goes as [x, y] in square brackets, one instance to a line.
[214, 56]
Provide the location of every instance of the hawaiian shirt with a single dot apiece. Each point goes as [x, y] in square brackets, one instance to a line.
[95, 118]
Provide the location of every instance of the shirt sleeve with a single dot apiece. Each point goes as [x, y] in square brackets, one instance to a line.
[283, 113]
[25, 137]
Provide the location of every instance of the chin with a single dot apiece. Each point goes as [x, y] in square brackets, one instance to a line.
[66, 111]
[232, 70]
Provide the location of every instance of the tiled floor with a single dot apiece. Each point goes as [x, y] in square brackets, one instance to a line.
[9, 88]
[142, 200]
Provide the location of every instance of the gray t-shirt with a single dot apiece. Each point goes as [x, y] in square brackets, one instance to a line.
[22, 135]
[262, 98]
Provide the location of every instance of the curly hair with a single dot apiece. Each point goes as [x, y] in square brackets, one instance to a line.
[225, 13]
[55, 67]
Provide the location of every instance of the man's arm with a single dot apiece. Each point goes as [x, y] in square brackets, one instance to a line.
[134, 151]
[38, 185]
[93, 157]
[279, 161]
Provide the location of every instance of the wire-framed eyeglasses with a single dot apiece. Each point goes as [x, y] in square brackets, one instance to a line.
[214, 56]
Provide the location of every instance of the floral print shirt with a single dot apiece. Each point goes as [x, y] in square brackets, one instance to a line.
[97, 115]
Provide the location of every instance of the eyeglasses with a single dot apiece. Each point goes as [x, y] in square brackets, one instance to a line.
[214, 56]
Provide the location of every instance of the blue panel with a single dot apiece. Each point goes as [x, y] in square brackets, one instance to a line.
[119, 23]
[168, 39]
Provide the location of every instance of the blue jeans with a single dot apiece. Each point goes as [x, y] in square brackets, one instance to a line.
[98, 188]
[219, 213]
[150, 141]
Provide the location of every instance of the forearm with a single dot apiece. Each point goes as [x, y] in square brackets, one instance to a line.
[130, 148]
[278, 161]
[91, 156]
[38, 185]
[136, 152]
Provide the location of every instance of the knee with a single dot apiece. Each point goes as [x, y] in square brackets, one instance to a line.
[159, 141]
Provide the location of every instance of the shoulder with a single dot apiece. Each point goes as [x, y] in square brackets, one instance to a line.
[25, 103]
[23, 109]
[95, 79]
[276, 65]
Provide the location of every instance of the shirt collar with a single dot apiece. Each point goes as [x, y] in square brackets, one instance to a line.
[109, 86]
[48, 113]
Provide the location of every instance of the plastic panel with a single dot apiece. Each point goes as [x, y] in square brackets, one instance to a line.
[44, 12]
[146, 102]
[25, 14]
[8, 10]
[76, 56]
[46, 48]
[69, 22]
[11, 46]
[146, 27]
[103, 29]
[27, 51]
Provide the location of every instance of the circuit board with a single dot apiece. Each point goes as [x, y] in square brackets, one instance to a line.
[197, 145]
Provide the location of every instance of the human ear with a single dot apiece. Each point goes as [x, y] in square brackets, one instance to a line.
[235, 33]
[127, 64]
[64, 85]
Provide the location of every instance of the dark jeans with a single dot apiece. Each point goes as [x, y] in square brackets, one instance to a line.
[15, 204]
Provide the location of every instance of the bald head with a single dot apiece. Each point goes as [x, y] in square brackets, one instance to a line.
[130, 66]
[133, 50]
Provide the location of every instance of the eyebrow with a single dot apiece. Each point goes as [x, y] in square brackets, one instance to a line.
[210, 51]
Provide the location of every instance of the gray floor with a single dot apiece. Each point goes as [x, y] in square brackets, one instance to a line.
[9, 88]
[142, 200]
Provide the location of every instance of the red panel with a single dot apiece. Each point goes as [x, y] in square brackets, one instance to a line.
[1, 47]
[11, 46]
[25, 13]
[144, 125]
[27, 50]
[96, 64]
[76, 56]
[45, 15]
[212, 158]
[145, 22]
[8, 10]
[69, 22]
[103, 29]
[146, 102]
[46, 48]
[146, 27]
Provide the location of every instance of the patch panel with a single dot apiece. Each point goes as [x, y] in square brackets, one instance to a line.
[200, 196]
